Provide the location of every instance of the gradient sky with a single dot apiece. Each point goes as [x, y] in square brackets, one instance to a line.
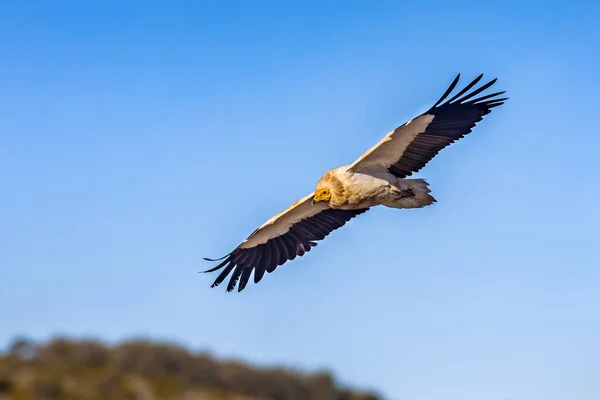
[138, 137]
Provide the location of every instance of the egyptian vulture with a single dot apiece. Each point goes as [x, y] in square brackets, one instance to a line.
[378, 177]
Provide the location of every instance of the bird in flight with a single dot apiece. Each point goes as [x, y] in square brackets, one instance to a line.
[378, 177]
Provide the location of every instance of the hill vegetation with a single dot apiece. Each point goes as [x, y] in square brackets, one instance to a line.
[69, 369]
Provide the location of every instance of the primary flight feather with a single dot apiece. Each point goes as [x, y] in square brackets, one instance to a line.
[378, 177]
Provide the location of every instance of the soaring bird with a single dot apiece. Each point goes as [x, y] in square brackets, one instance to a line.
[378, 177]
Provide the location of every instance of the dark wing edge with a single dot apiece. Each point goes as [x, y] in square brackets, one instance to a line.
[453, 120]
[266, 257]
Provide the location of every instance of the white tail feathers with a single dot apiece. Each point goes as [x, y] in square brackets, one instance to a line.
[421, 197]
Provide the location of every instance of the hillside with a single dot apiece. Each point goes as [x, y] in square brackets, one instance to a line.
[68, 369]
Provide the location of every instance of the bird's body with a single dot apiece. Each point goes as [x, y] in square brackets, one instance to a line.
[377, 178]
[352, 190]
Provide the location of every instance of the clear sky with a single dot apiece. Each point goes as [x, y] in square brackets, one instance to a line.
[138, 137]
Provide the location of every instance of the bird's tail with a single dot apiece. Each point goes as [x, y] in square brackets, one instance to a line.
[420, 195]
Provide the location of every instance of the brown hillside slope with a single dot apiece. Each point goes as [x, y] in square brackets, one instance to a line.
[68, 369]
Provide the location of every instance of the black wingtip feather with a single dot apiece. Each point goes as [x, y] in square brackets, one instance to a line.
[223, 275]
[263, 264]
[234, 278]
[244, 279]
[216, 259]
[448, 91]
[487, 96]
[218, 266]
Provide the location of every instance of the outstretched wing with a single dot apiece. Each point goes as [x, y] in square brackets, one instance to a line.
[285, 236]
[412, 145]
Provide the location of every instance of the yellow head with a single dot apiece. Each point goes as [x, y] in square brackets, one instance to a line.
[321, 195]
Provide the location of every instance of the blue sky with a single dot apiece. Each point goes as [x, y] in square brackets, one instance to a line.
[137, 138]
